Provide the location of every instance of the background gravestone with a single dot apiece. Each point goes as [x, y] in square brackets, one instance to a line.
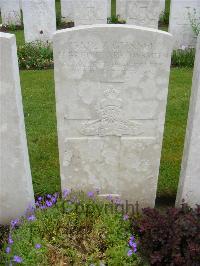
[180, 25]
[111, 92]
[10, 12]
[16, 192]
[39, 19]
[88, 12]
[144, 13]
[189, 185]
[93, 10]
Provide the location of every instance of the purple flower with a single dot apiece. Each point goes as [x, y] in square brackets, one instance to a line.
[37, 246]
[49, 196]
[130, 253]
[8, 249]
[17, 259]
[66, 192]
[109, 197]
[125, 217]
[10, 241]
[132, 244]
[42, 207]
[53, 199]
[132, 238]
[14, 223]
[90, 194]
[31, 218]
[40, 198]
[49, 203]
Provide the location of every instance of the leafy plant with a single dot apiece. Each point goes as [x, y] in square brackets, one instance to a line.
[77, 230]
[194, 21]
[170, 238]
[183, 57]
[116, 20]
[35, 56]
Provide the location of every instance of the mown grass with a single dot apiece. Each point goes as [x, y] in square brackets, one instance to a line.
[40, 118]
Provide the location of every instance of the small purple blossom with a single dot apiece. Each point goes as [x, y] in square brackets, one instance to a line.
[42, 207]
[31, 218]
[14, 223]
[90, 194]
[109, 197]
[40, 198]
[53, 200]
[130, 253]
[37, 246]
[66, 192]
[49, 196]
[10, 241]
[17, 259]
[49, 203]
[8, 249]
[125, 217]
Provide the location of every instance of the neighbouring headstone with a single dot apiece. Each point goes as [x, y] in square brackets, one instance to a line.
[111, 93]
[88, 12]
[189, 184]
[69, 8]
[10, 12]
[39, 18]
[162, 6]
[144, 13]
[182, 13]
[16, 191]
[121, 8]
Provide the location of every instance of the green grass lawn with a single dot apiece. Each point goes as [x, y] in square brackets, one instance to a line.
[40, 118]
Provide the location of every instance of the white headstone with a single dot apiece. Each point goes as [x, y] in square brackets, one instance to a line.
[180, 25]
[189, 184]
[39, 20]
[88, 12]
[144, 13]
[111, 94]
[16, 192]
[67, 10]
[121, 8]
[10, 12]
[162, 6]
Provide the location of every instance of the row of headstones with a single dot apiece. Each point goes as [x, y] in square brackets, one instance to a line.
[111, 85]
[39, 16]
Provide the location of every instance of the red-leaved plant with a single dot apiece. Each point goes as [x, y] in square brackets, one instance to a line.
[171, 237]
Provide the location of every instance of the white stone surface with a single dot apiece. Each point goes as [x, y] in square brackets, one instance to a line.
[39, 20]
[10, 12]
[88, 12]
[180, 25]
[67, 10]
[16, 192]
[121, 8]
[144, 13]
[189, 184]
[162, 6]
[111, 92]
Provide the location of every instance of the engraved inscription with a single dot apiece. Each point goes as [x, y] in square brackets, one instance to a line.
[111, 120]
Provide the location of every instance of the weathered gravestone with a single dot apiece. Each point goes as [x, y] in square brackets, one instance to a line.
[89, 10]
[144, 13]
[39, 20]
[10, 12]
[181, 13]
[67, 10]
[121, 8]
[111, 93]
[189, 185]
[16, 192]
